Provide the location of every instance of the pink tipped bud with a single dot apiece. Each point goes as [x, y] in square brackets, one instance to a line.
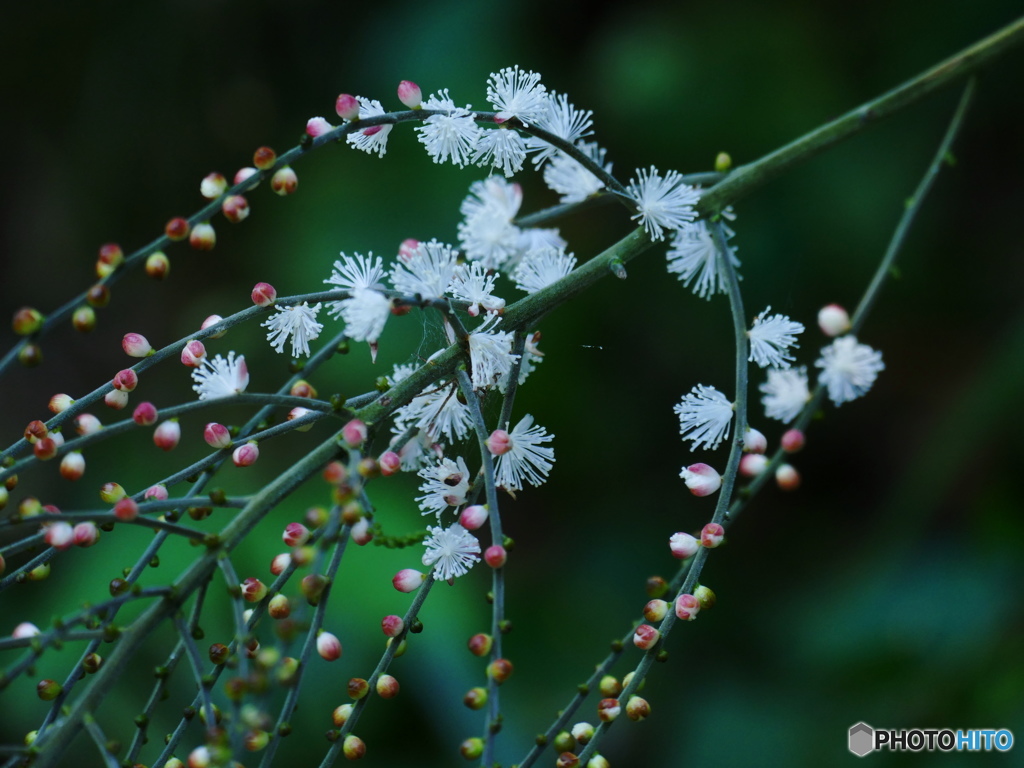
[495, 556]
[246, 455]
[72, 466]
[392, 625]
[235, 208]
[701, 479]
[212, 320]
[280, 563]
[193, 353]
[87, 424]
[158, 266]
[27, 321]
[145, 414]
[408, 249]
[328, 646]
[318, 126]
[45, 448]
[60, 403]
[833, 320]
[608, 710]
[48, 690]
[25, 629]
[473, 517]
[637, 708]
[177, 229]
[295, 534]
[408, 580]
[156, 492]
[167, 435]
[687, 607]
[645, 636]
[213, 186]
[112, 492]
[389, 463]
[410, 94]
[480, 644]
[86, 534]
[126, 509]
[203, 237]
[111, 257]
[753, 464]
[243, 174]
[347, 107]
[115, 399]
[500, 442]
[263, 294]
[253, 590]
[59, 535]
[754, 441]
[217, 435]
[298, 413]
[361, 532]
[712, 535]
[35, 431]
[387, 687]
[792, 441]
[787, 478]
[683, 545]
[264, 158]
[335, 473]
[136, 345]
[353, 747]
[358, 688]
[280, 607]
[354, 433]
[655, 610]
[499, 670]
[284, 181]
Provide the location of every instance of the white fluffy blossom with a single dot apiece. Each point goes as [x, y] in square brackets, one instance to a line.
[570, 178]
[848, 369]
[374, 138]
[514, 92]
[428, 271]
[365, 314]
[437, 411]
[474, 283]
[298, 323]
[487, 233]
[704, 417]
[785, 393]
[451, 135]
[502, 148]
[355, 272]
[490, 353]
[220, 378]
[527, 458]
[446, 485]
[770, 340]
[542, 267]
[452, 551]
[564, 121]
[663, 202]
[695, 259]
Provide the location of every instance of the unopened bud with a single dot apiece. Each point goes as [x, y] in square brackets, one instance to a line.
[833, 320]
[704, 596]
[361, 532]
[112, 492]
[235, 208]
[111, 257]
[608, 710]
[347, 107]
[264, 158]
[792, 441]
[609, 686]
[387, 687]
[263, 294]
[167, 435]
[499, 442]
[754, 441]
[246, 455]
[341, 714]
[499, 670]
[284, 181]
[655, 610]
[203, 237]
[158, 266]
[126, 510]
[145, 414]
[280, 607]
[410, 94]
[217, 435]
[328, 646]
[701, 479]
[177, 229]
[480, 644]
[408, 580]
[787, 478]
[687, 607]
[27, 321]
[645, 637]
[253, 590]
[473, 517]
[712, 534]
[48, 690]
[389, 463]
[683, 545]
[116, 399]
[318, 126]
[392, 625]
[753, 464]
[213, 186]
[495, 556]
[213, 320]
[723, 162]
[84, 319]
[136, 345]
[72, 466]
[637, 708]
[354, 433]
[358, 688]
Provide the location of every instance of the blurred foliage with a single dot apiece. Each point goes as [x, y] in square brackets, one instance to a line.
[887, 589]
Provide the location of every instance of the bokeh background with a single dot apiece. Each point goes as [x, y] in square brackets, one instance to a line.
[886, 589]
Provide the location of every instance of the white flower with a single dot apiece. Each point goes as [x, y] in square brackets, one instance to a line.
[662, 203]
[785, 393]
[514, 92]
[704, 417]
[220, 378]
[694, 255]
[526, 459]
[542, 267]
[564, 121]
[490, 353]
[501, 148]
[487, 233]
[428, 271]
[298, 323]
[364, 314]
[848, 369]
[375, 138]
[436, 411]
[474, 283]
[453, 135]
[446, 485]
[771, 338]
[571, 179]
[452, 551]
[419, 451]
[353, 273]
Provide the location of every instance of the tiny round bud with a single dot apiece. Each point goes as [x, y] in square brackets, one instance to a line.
[72, 466]
[357, 688]
[408, 580]
[213, 320]
[754, 441]
[687, 607]
[235, 208]
[475, 698]
[833, 320]
[499, 442]
[792, 441]
[480, 644]
[655, 610]
[157, 492]
[392, 625]
[400, 650]
[45, 448]
[84, 319]
[499, 670]
[217, 435]
[354, 433]
[25, 629]
[177, 229]
[637, 708]
[387, 687]
[341, 714]
[408, 248]
[60, 403]
[263, 294]
[704, 596]
[116, 399]
[361, 532]
[472, 748]
[35, 431]
[48, 690]
[284, 181]
[347, 107]
[302, 388]
[112, 492]
[787, 478]
[723, 162]
[213, 186]
[583, 732]
[683, 545]
[495, 556]
[264, 158]
[753, 464]
[389, 463]
[564, 742]
[328, 646]
[410, 94]
[86, 534]
[92, 663]
[167, 435]
[30, 355]
[136, 345]
[280, 607]
[473, 517]
[609, 686]
[298, 413]
[158, 266]
[246, 455]
[567, 760]
[111, 257]
[27, 321]
[295, 534]
[244, 174]
[87, 424]
[280, 563]
[253, 590]
[608, 710]
[645, 637]
[219, 653]
[712, 534]
[126, 509]
[145, 414]
[318, 126]
[701, 479]
[126, 380]
[98, 296]
[203, 237]
[59, 535]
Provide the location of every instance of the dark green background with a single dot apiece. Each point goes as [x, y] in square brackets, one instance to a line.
[887, 589]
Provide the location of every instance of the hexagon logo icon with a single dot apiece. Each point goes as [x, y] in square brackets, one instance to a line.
[862, 737]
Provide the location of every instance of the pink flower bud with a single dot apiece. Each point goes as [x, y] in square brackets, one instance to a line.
[361, 533]
[608, 710]
[645, 636]
[833, 320]
[753, 464]
[45, 448]
[280, 607]
[111, 257]
[87, 424]
[167, 435]
[212, 320]
[202, 237]
[217, 435]
[156, 492]
[284, 181]
[499, 442]
[192, 354]
[136, 345]
[792, 441]
[387, 687]
[712, 535]
[353, 747]
[499, 670]
[112, 492]
[683, 545]
[410, 94]
[335, 473]
[145, 414]
[115, 399]
[242, 174]
[235, 208]
[126, 509]
[60, 403]
[264, 158]
[408, 580]
[328, 646]
[473, 517]
[213, 186]
[354, 433]
[389, 463]
[655, 610]
[701, 479]
[263, 294]
[177, 229]
[72, 466]
[253, 590]
[126, 380]
[480, 644]
[495, 556]
[754, 441]
[787, 478]
[246, 455]
[687, 607]
[86, 534]
[295, 534]
[318, 126]
[392, 625]
[347, 107]
[59, 535]
[298, 413]
[280, 563]
[25, 629]
[637, 708]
